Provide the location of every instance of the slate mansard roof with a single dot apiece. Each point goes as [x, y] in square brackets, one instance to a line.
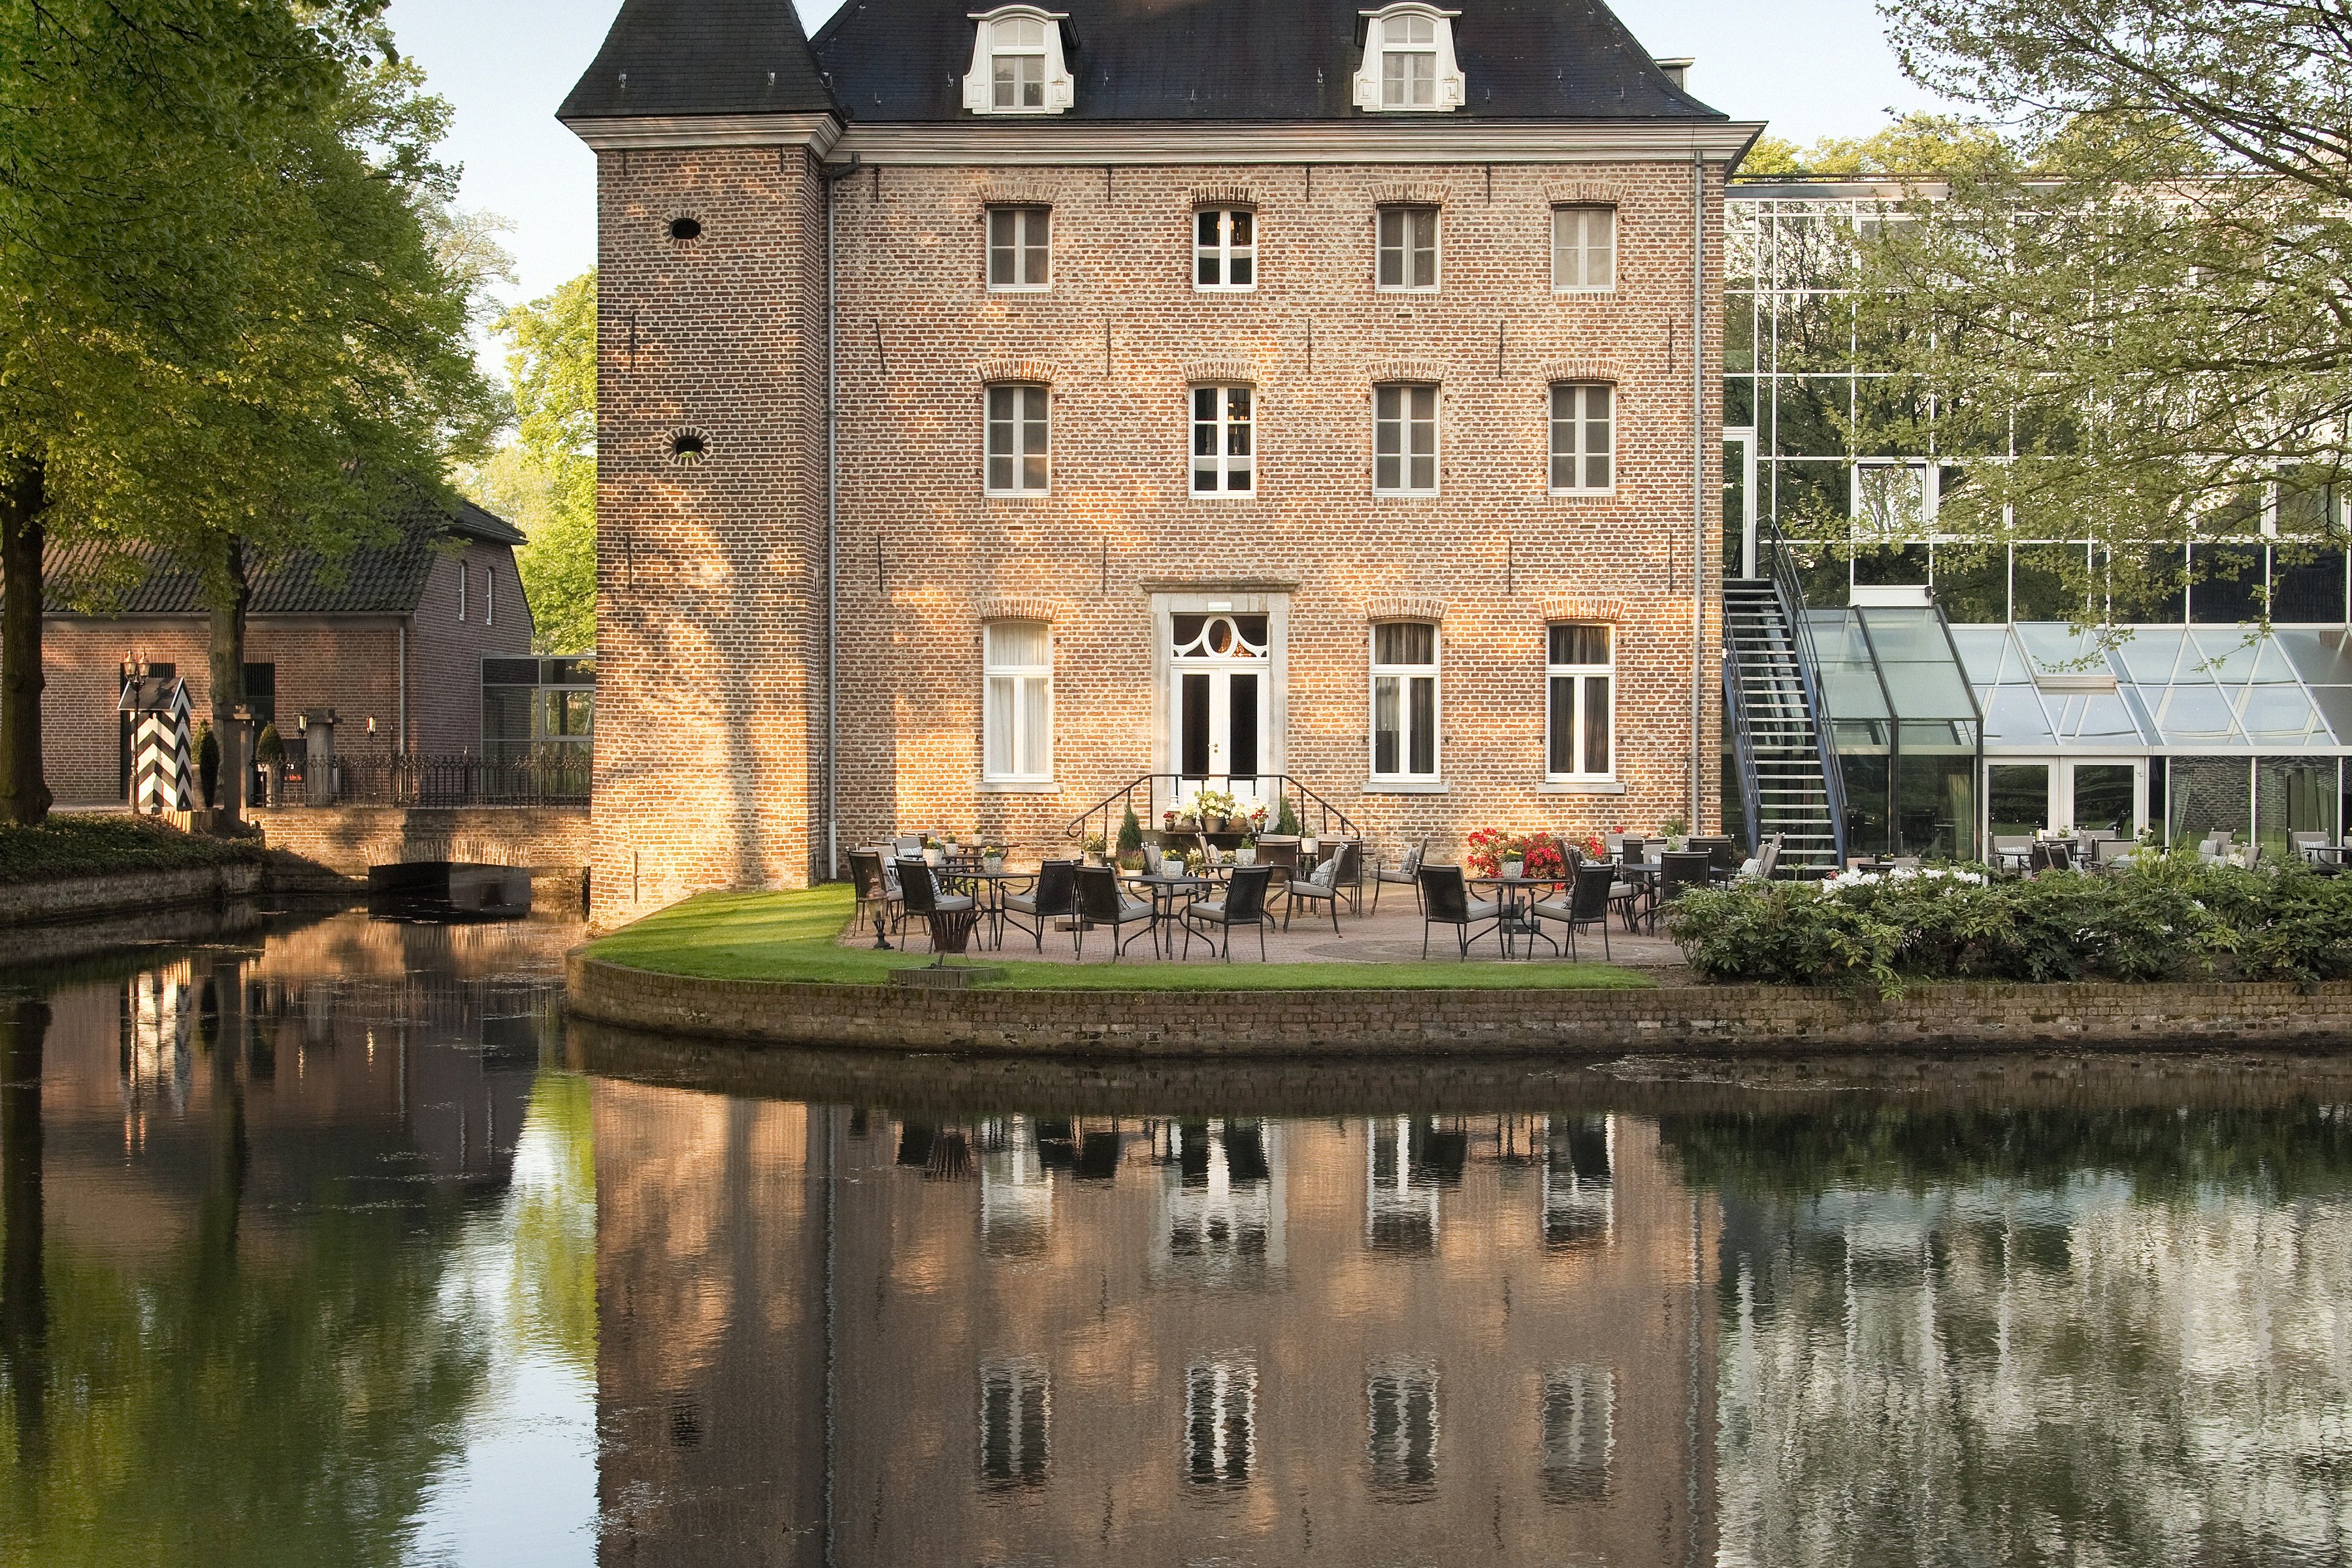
[89, 578]
[1283, 61]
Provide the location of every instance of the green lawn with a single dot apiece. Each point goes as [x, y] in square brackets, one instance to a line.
[70, 846]
[789, 936]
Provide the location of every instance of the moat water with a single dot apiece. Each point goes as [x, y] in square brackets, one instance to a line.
[336, 1246]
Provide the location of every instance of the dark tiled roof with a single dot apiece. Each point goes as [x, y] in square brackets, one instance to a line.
[700, 56]
[373, 579]
[1254, 60]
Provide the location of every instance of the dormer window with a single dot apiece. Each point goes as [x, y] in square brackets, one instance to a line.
[1408, 66]
[1017, 64]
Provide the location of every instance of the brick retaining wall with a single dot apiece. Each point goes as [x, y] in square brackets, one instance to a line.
[79, 898]
[1711, 1019]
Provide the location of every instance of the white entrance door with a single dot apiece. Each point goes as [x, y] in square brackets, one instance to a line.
[2102, 794]
[1218, 706]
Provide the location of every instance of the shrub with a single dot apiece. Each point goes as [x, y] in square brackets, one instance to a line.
[1130, 833]
[2163, 918]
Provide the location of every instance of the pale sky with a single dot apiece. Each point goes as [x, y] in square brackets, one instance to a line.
[1811, 67]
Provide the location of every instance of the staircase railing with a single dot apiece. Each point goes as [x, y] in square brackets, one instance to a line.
[1782, 569]
[1743, 742]
[1151, 796]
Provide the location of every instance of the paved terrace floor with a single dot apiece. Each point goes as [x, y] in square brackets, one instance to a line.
[1391, 936]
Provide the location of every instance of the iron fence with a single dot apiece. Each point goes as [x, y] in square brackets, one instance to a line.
[546, 775]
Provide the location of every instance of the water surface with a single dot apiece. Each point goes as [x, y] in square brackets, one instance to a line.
[339, 1248]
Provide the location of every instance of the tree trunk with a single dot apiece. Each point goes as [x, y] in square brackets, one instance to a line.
[24, 498]
[232, 591]
[24, 1289]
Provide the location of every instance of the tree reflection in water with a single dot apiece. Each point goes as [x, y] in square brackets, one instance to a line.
[2060, 1334]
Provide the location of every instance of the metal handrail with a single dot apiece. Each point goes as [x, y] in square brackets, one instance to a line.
[1743, 745]
[1784, 572]
[1114, 806]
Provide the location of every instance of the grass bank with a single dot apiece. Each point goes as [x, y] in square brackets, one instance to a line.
[98, 846]
[792, 936]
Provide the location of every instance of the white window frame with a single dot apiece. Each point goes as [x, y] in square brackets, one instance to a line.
[1225, 462]
[1406, 421]
[1024, 246]
[1403, 674]
[1383, 34]
[1058, 90]
[465, 579]
[1869, 525]
[1581, 246]
[1405, 249]
[1579, 673]
[1224, 250]
[1009, 1389]
[1221, 1394]
[1579, 426]
[490, 596]
[1028, 396]
[1027, 686]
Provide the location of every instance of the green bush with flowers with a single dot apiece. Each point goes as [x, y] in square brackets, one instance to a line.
[2157, 917]
[1542, 855]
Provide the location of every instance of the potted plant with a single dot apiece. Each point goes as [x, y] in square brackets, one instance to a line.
[991, 858]
[269, 756]
[1193, 862]
[1094, 847]
[1515, 856]
[1309, 847]
[1676, 833]
[1246, 854]
[933, 852]
[1168, 820]
[1285, 821]
[1131, 837]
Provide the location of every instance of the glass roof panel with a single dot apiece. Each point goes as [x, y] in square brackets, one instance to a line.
[2061, 649]
[2229, 656]
[1984, 650]
[2097, 720]
[1906, 634]
[2281, 716]
[2196, 715]
[2150, 653]
[2271, 666]
[2014, 722]
[1852, 691]
[1922, 690]
[2335, 707]
[2322, 657]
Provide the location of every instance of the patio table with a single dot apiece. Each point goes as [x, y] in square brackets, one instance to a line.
[1644, 875]
[989, 887]
[1165, 891]
[1518, 898]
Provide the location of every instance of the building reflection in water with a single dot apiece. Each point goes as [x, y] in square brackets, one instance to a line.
[849, 1335]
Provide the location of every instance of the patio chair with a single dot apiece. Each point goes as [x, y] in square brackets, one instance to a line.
[2012, 850]
[1242, 905]
[908, 846]
[879, 897]
[924, 899]
[2105, 852]
[1445, 901]
[1723, 856]
[1679, 869]
[1351, 854]
[2303, 846]
[1052, 897]
[2051, 855]
[1100, 902]
[1321, 885]
[1631, 849]
[1587, 904]
[1759, 867]
[1406, 871]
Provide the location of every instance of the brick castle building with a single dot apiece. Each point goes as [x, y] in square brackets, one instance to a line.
[999, 405]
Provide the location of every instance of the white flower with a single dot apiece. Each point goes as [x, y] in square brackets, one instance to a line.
[1860, 879]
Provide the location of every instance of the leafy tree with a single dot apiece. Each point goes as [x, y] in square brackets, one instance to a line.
[1914, 144]
[226, 327]
[544, 479]
[2139, 290]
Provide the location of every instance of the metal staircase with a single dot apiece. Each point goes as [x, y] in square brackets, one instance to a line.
[1788, 775]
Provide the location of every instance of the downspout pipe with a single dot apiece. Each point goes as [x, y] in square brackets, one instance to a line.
[1698, 476]
[832, 177]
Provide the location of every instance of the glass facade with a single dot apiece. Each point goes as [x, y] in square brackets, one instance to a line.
[2175, 708]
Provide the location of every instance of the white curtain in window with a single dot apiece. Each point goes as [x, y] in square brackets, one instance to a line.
[1018, 709]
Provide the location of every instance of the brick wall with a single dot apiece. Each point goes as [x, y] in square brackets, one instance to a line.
[710, 598]
[1723, 1020]
[446, 653]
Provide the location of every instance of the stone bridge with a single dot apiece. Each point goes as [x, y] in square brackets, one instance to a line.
[550, 841]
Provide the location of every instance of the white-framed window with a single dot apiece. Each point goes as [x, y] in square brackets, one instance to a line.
[1581, 700]
[1404, 438]
[1583, 438]
[1580, 1436]
[1408, 65]
[1583, 249]
[1404, 701]
[1017, 745]
[1894, 499]
[1224, 250]
[1020, 439]
[490, 596]
[1224, 440]
[1016, 1406]
[465, 577]
[1019, 248]
[1401, 1421]
[1408, 248]
[1017, 66]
